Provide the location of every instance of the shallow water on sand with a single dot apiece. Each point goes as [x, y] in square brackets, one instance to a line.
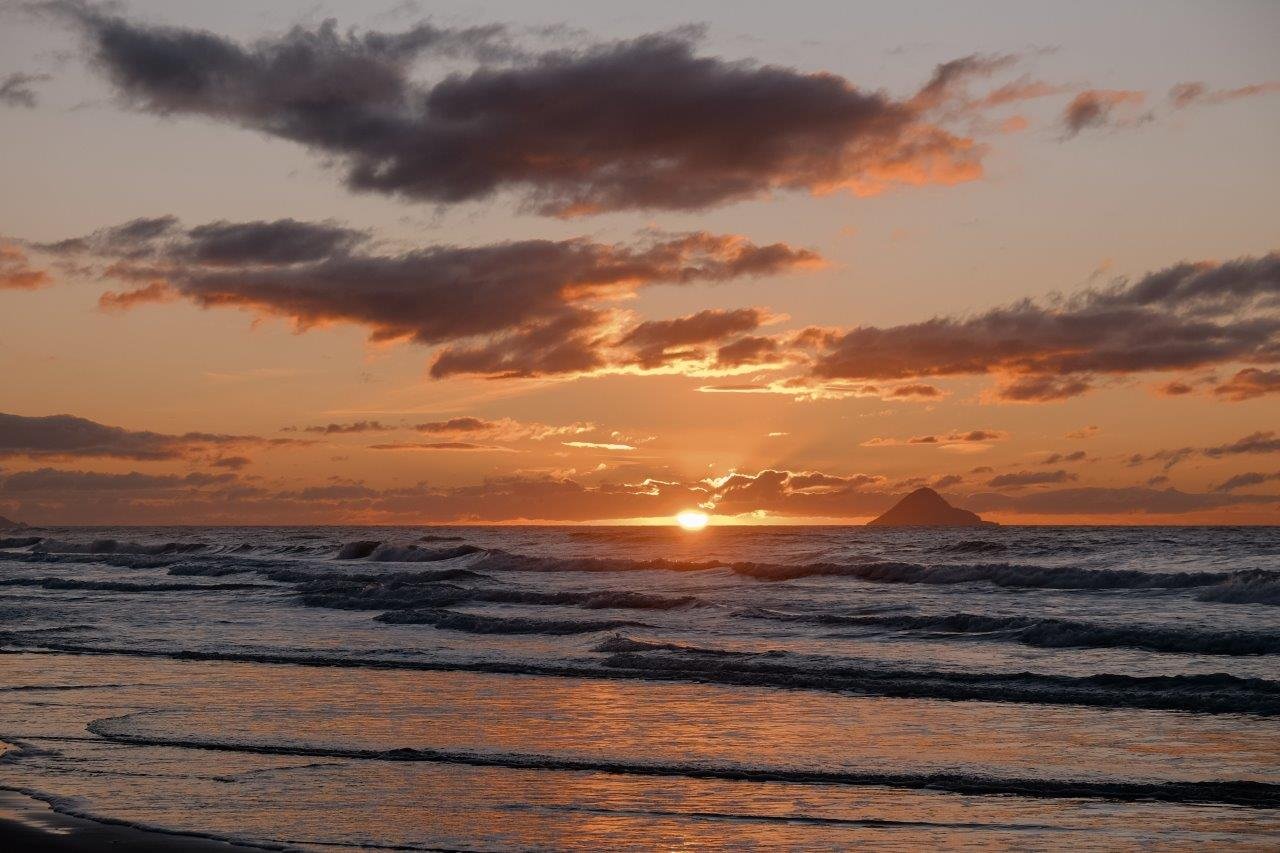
[607, 688]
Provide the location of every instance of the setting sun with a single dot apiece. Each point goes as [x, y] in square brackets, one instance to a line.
[691, 519]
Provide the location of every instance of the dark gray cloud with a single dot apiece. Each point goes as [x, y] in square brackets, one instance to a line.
[1251, 478]
[16, 90]
[1022, 479]
[345, 429]
[453, 425]
[645, 123]
[1258, 442]
[68, 436]
[1055, 458]
[655, 342]
[1191, 94]
[1098, 500]
[1098, 108]
[527, 300]
[1183, 317]
[1254, 443]
[60, 481]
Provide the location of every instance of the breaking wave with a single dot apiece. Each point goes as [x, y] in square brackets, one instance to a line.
[380, 552]
[1256, 587]
[1053, 633]
[112, 546]
[1010, 575]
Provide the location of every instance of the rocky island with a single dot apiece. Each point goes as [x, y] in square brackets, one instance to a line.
[926, 508]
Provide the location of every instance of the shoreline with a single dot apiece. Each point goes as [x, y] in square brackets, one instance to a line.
[29, 823]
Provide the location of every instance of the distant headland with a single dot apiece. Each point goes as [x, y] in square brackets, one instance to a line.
[926, 508]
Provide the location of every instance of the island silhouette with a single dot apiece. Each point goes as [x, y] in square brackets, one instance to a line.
[926, 508]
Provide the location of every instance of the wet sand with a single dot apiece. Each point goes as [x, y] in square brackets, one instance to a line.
[32, 825]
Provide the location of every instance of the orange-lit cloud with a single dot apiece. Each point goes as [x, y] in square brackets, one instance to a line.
[16, 273]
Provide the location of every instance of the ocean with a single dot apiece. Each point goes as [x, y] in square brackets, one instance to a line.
[640, 688]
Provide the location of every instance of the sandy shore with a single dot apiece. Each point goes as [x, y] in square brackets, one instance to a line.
[29, 824]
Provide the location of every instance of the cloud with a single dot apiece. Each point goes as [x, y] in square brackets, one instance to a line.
[653, 340]
[1186, 95]
[1084, 432]
[974, 436]
[233, 463]
[68, 436]
[799, 493]
[1254, 443]
[1251, 478]
[1248, 384]
[16, 273]
[1022, 479]
[1175, 389]
[913, 390]
[441, 445]
[1056, 458]
[54, 496]
[57, 480]
[1095, 108]
[1041, 389]
[524, 308]
[1097, 500]
[1257, 442]
[641, 124]
[16, 91]
[750, 350]
[344, 429]
[597, 445]
[1187, 316]
[803, 388]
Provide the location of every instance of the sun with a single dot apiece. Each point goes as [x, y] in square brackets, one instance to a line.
[691, 519]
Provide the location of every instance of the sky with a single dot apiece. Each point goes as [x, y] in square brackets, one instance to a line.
[420, 262]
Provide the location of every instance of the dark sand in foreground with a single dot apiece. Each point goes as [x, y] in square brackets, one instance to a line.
[29, 824]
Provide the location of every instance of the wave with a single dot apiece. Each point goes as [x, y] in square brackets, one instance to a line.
[1239, 793]
[1252, 587]
[1202, 694]
[590, 600]
[112, 546]
[19, 541]
[1011, 575]
[347, 594]
[506, 561]
[380, 552]
[1053, 633]
[473, 623]
[973, 546]
[999, 574]
[1213, 693]
[125, 586]
[620, 644]
[435, 538]
[406, 590]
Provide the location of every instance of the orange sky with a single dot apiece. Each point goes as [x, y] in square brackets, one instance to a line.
[474, 267]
